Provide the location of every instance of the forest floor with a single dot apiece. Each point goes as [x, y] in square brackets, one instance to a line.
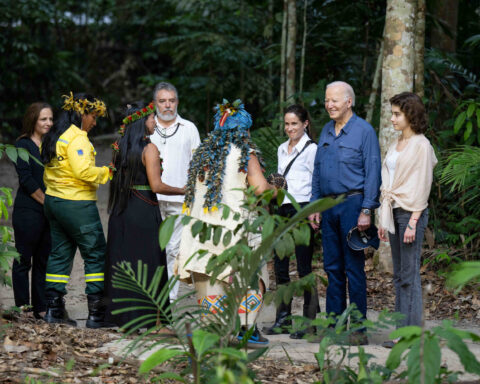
[31, 348]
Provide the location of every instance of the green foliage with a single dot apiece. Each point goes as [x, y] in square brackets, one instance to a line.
[452, 88]
[335, 351]
[421, 348]
[468, 120]
[207, 351]
[7, 250]
[460, 172]
[464, 273]
[210, 50]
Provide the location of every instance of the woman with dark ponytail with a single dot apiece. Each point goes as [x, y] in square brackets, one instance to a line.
[72, 179]
[134, 216]
[295, 163]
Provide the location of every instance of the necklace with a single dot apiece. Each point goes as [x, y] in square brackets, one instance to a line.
[163, 134]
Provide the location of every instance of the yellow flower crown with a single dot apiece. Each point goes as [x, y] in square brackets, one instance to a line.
[84, 106]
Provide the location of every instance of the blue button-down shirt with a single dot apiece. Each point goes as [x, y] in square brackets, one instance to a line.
[348, 162]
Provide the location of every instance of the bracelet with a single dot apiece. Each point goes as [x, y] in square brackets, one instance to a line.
[409, 226]
[412, 218]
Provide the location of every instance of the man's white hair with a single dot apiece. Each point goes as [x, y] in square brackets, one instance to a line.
[349, 93]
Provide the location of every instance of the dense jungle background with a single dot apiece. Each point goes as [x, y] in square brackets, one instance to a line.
[247, 49]
[269, 53]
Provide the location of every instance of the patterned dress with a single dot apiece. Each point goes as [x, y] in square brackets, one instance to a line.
[211, 296]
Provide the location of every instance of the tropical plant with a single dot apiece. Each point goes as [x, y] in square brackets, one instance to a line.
[461, 173]
[207, 351]
[468, 117]
[423, 355]
[7, 250]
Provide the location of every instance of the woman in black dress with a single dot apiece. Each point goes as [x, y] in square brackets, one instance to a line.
[31, 229]
[134, 215]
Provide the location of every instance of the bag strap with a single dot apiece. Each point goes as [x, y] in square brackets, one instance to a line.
[295, 158]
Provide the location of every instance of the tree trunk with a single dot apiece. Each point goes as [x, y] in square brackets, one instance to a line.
[420, 49]
[375, 84]
[291, 45]
[283, 56]
[304, 42]
[270, 43]
[446, 13]
[397, 76]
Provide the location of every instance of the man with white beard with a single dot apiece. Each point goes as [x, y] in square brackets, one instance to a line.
[176, 139]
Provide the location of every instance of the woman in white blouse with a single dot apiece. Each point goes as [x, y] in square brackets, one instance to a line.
[407, 175]
[295, 162]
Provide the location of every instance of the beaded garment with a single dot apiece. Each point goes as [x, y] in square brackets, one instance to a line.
[231, 122]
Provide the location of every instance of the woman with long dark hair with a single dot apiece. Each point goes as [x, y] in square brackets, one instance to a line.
[30, 226]
[407, 176]
[72, 179]
[295, 162]
[134, 216]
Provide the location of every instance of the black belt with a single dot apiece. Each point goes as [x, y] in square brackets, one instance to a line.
[347, 194]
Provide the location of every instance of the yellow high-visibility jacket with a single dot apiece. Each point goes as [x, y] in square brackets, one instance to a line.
[72, 174]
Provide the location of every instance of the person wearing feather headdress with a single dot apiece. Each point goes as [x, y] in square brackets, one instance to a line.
[224, 164]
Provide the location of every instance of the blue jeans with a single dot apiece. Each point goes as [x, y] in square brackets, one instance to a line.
[341, 263]
[406, 267]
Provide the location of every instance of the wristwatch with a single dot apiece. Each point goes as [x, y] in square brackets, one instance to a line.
[366, 211]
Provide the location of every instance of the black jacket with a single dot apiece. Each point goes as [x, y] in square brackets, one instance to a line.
[30, 176]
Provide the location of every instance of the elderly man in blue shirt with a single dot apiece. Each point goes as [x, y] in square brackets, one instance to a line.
[347, 162]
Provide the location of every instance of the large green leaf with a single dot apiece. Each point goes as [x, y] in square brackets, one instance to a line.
[159, 357]
[270, 242]
[395, 357]
[432, 357]
[217, 235]
[268, 227]
[471, 109]
[166, 230]
[11, 152]
[406, 332]
[459, 121]
[464, 273]
[203, 340]
[23, 154]
[456, 344]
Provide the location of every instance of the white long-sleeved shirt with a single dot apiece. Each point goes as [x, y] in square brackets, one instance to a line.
[176, 152]
[299, 178]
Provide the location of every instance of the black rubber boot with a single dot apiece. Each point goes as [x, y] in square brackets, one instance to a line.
[56, 312]
[283, 320]
[96, 312]
[311, 307]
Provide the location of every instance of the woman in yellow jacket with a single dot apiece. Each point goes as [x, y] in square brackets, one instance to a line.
[71, 180]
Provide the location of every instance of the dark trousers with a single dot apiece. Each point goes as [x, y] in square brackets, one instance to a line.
[304, 255]
[32, 240]
[341, 263]
[74, 224]
[406, 267]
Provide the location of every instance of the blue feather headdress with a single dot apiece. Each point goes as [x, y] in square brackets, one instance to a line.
[231, 123]
[232, 116]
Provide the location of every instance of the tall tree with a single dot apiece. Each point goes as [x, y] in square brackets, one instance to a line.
[444, 35]
[304, 43]
[420, 48]
[283, 49]
[291, 48]
[398, 61]
[397, 73]
[375, 85]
